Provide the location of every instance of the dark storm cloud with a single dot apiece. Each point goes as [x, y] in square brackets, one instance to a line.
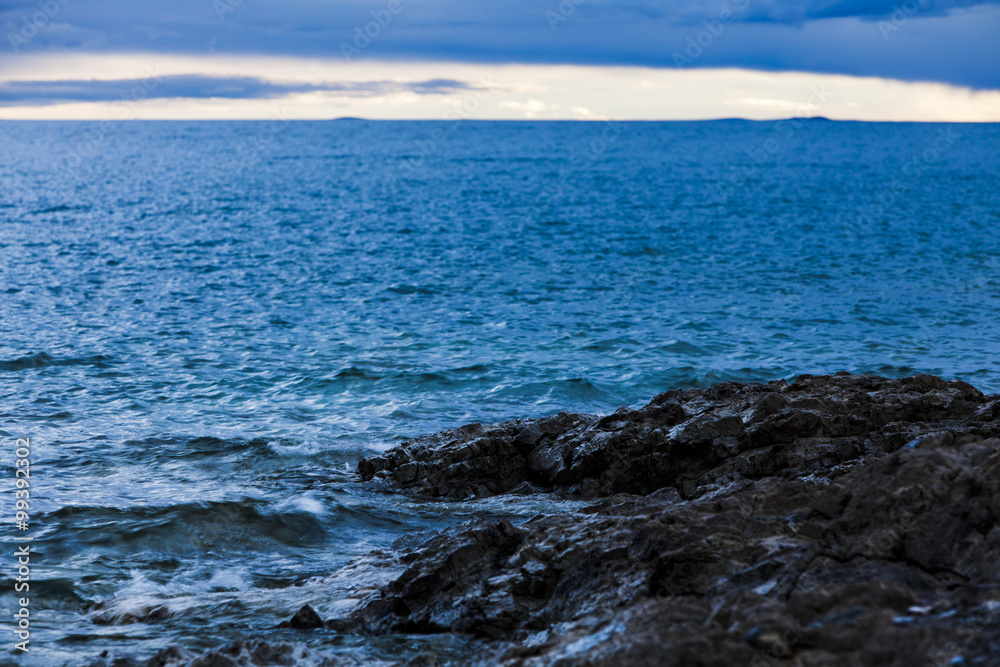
[952, 41]
[797, 12]
[41, 93]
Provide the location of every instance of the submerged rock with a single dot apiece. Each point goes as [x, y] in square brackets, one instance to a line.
[839, 520]
[253, 653]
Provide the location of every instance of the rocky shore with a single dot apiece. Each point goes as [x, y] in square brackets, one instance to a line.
[835, 520]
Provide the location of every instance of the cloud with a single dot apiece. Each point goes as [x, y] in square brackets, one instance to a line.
[402, 90]
[530, 108]
[950, 41]
[44, 93]
[885, 8]
[797, 12]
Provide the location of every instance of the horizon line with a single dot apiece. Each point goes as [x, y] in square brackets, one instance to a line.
[502, 120]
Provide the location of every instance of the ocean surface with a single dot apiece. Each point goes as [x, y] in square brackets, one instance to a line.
[205, 326]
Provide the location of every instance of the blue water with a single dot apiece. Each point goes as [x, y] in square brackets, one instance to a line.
[205, 325]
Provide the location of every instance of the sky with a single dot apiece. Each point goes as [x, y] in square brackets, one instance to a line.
[899, 60]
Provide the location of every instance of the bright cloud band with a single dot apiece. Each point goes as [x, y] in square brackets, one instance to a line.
[156, 86]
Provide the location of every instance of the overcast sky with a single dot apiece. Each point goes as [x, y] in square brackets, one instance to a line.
[894, 60]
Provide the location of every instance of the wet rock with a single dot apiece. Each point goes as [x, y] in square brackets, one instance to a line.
[898, 557]
[304, 619]
[690, 439]
[838, 520]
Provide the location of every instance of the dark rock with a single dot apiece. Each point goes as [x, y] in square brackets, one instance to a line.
[691, 439]
[742, 524]
[304, 619]
[424, 660]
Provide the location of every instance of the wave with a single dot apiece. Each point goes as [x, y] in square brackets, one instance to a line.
[59, 591]
[45, 360]
[62, 208]
[188, 528]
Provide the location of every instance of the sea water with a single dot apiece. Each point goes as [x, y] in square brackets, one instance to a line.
[206, 324]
